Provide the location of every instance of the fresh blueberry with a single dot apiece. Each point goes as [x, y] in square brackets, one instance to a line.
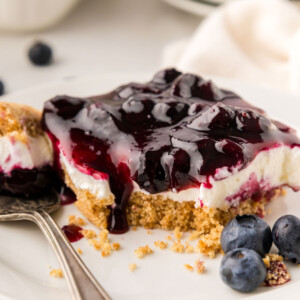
[1, 88]
[40, 54]
[247, 231]
[243, 270]
[286, 236]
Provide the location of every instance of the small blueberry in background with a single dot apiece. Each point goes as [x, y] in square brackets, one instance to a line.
[247, 231]
[1, 88]
[243, 270]
[40, 54]
[286, 237]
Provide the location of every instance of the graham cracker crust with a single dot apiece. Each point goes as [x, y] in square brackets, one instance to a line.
[156, 211]
[19, 120]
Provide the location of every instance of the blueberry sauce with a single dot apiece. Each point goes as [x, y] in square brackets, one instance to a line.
[66, 195]
[171, 133]
[72, 232]
[26, 181]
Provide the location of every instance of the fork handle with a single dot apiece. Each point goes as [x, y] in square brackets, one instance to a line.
[82, 284]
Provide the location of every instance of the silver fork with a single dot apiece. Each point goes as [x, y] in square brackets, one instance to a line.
[81, 283]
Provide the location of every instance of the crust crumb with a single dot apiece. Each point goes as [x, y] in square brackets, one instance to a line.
[189, 267]
[132, 267]
[103, 234]
[199, 266]
[277, 273]
[76, 220]
[58, 273]
[195, 235]
[177, 233]
[149, 232]
[79, 251]
[88, 234]
[177, 247]
[116, 246]
[102, 243]
[161, 245]
[105, 253]
[134, 229]
[188, 248]
[283, 192]
[169, 238]
[143, 251]
[209, 244]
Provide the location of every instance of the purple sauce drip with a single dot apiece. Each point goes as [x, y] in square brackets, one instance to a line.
[66, 195]
[173, 132]
[72, 232]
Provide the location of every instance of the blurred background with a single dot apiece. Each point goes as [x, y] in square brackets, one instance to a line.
[250, 40]
[95, 36]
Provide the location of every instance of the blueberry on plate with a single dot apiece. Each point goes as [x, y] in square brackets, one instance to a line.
[243, 270]
[247, 231]
[1, 88]
[286, 236]
[40, 54]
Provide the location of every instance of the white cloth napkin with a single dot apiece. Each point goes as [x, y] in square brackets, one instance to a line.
[250, 40]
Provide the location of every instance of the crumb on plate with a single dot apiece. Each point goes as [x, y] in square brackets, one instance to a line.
[143, 251]
[76, 220]
[88, 234]
[177, 233]
[277, 273]
[161, 244]
[189, 267]
[58, 273]
[132, 267]
[177, 247]
[199, 266]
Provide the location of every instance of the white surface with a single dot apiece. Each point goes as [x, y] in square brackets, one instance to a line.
[257, 41]
[25, 254]
[99, 37]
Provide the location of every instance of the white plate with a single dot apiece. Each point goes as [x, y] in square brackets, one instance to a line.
[25, 254]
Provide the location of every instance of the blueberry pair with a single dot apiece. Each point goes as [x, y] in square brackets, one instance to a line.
[244, 240]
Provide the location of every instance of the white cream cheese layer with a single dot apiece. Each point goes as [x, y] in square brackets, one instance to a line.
[270, 168]
[32, 153]
[97, 187]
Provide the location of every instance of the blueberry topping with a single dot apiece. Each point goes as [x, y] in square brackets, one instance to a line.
[166, 76]
[192, 86]
[243, 270]
[26, 181]
[40, 54]
[251, 121]
[247, 231]
[172, 132]
[286, 236]
[217, 116]
[1, 88]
